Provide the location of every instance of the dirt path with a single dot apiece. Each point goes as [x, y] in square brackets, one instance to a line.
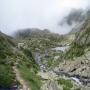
[20, 79]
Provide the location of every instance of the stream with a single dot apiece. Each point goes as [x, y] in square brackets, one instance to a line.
[38, 56]
[38, 61]
[76, 78]
[63, 48]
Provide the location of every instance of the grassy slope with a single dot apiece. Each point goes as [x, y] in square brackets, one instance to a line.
[28, 70]
[9, 55]
[67, 84]
[6, 74]
[80, 44]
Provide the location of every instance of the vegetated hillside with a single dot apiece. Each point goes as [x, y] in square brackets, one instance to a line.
[36, 38]
[21, 58]
[82, 37]
[6, 75]
[81, 44]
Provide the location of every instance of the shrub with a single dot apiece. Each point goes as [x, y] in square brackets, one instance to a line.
[6, 76]
[66, 83]
[66, 88]
[30, 76]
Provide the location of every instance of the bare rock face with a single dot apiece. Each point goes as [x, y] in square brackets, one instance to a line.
[80, 65]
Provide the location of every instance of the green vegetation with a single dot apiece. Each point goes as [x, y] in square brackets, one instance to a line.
[75, 51]
[23, 58]
[79, 45]
[52, 59]
[10, 55]
[6, 75]
[77, 89]
[67, 84]
[29, 60]
[40, 43]
[66, 88]
[28, 69]
[50, 63]
[30, 76]
[40, 39]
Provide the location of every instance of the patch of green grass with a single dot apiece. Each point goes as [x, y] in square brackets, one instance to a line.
[77, 89]
[66, 83]
[50, 63]
[33, 80]
[75, 51]
[79, 45]
[6, 76]
[66, 88]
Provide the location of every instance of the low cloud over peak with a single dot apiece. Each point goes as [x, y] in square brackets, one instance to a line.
[17, 14]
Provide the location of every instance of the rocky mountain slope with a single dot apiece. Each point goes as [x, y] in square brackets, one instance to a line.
[77, 58]
[81, 44]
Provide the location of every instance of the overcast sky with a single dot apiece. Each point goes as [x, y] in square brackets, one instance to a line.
[19, 14]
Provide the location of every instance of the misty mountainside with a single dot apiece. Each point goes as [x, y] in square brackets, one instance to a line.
[82, 39]
[76, 19]
[81, 43]
[75, 16]
[79, 26]
[73, 62]
[34, 33]
[82, 34]
[37, 59]
[76, 61]
[29, 62]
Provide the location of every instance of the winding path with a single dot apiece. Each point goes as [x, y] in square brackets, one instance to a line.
[21, 80]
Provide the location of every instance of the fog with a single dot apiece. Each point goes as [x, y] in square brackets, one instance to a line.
[43, 14]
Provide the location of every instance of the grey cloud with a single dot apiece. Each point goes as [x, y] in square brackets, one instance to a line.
[17, 14]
